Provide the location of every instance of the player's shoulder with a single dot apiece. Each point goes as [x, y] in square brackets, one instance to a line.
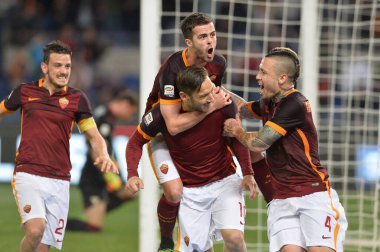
[31, 84]
[173, 63]
[219, 59]
[153, 117]
[295, 96]
[174, 58]
[75, 91]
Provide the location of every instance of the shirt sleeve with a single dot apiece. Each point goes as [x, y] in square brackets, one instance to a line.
[169, 93]
[13, 101]
[133, 153]
[242, 155]
[255, 109]
[288, 115]
[84, 108]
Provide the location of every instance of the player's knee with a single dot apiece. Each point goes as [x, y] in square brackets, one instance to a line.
[34, 233]
[234, 240]
[174, 194]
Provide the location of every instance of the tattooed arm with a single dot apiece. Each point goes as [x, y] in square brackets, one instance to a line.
[241, 104]
[256, 141]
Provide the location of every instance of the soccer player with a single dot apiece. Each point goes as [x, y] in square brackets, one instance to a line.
[104, 192]
[212, 201]
[49, 108]
[200, 37]
[305, 213]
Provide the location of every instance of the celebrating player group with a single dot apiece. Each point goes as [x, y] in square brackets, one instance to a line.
[192, 126]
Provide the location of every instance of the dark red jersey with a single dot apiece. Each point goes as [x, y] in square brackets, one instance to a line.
[165, 89]
[201, 154]
[293, 159]
[46, 126]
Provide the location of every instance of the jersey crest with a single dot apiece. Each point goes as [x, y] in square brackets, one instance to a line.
[63, 102]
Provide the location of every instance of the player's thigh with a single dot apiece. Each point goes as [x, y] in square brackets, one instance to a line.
[29, 196]
[228, 210]
[195, 220]
[284, 227]
[319, 220]
[57, 206]
[161, 161]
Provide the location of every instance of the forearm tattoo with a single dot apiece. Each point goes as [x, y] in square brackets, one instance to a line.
[245, 113]
[266, 137]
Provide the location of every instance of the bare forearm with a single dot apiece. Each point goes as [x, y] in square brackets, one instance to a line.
[183, 121]
[237, 99]
[98, 146]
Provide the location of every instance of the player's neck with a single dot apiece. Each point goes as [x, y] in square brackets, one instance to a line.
[193, 60]
[52, 88]
[282, 94]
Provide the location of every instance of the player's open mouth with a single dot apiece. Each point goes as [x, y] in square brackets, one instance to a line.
[210, 51]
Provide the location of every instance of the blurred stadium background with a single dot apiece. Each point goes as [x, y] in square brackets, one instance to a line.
[339, 45]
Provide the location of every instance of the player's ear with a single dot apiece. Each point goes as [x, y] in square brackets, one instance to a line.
[44, 67]
[189, 42]
[183, 96]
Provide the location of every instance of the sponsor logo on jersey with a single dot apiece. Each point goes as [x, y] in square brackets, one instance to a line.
[169, 90]
[164, 168]
[213, 77]
[187, 240]
[148, 118]
[27, 208]
[33, 99]
[326, 237]
[63, 102]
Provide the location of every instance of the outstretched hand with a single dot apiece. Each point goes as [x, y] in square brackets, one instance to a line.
[105, 164]
[249, 182]
[134, 184]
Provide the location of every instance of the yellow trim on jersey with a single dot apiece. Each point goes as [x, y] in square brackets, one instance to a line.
[157, 102]
[150, 153]
[252, 112]
[41, 82]
[290, 92]
[276, 127]
[144, 135]
[16, 198]
[177, 246]
[232, 153]
[323, 177]
[4, 110]
[170, 102]
[184, 58]
[86, 124]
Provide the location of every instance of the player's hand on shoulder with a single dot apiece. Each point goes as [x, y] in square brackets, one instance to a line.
[106, 164]
[250, 183]
[220, 99]
[134, 184]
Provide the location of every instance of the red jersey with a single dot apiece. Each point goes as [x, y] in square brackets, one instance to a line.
[201, 154]
[165, 89]
[293, 159]
[46, 126]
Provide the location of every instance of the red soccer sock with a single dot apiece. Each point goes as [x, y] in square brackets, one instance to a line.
[263, 179]
[167, 216]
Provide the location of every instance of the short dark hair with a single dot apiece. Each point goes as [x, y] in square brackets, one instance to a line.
[190, 80]
[127, 96]
[284, 52]
[195, 19]
[55, 46]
